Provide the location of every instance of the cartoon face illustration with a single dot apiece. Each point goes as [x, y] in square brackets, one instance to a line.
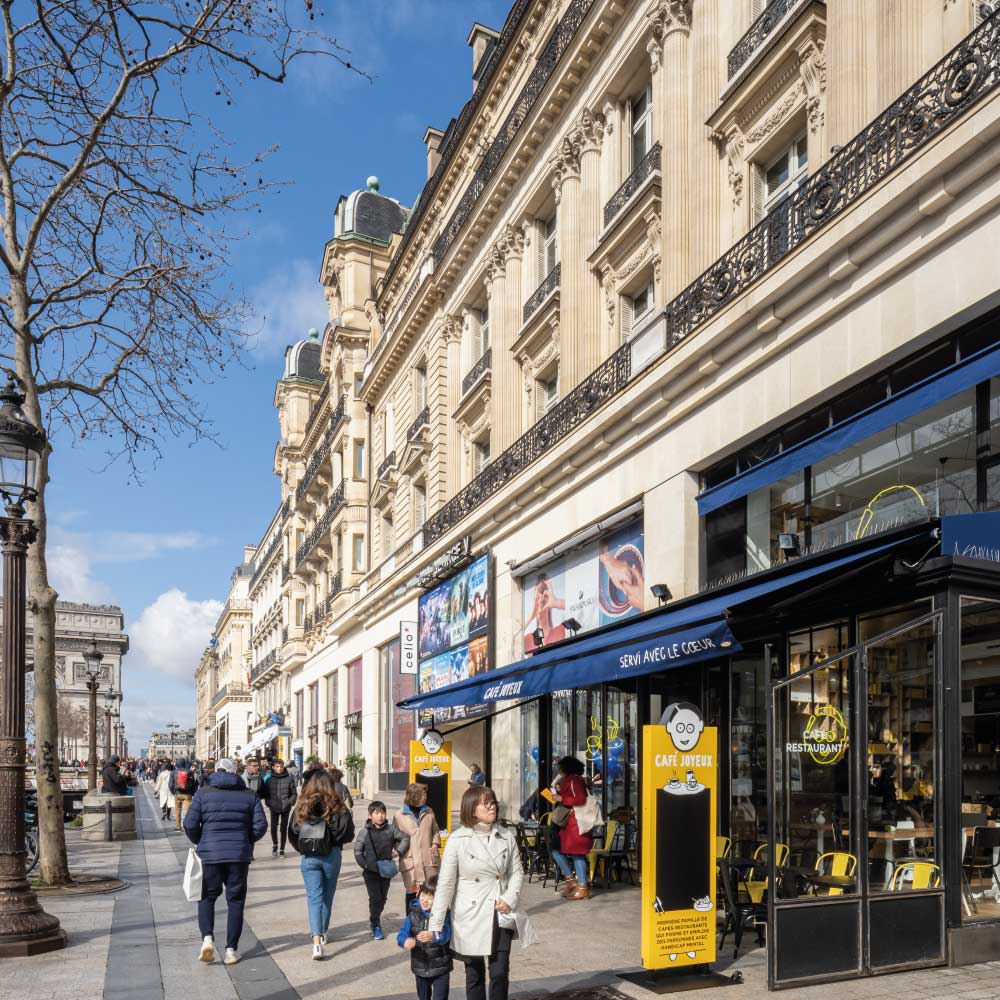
[684, 723]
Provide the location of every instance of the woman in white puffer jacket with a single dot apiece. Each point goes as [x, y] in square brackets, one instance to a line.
[163, 790]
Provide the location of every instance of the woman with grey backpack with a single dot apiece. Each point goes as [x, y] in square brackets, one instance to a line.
[320, 826]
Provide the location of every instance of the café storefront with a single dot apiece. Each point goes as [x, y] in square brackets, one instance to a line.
[847, 647]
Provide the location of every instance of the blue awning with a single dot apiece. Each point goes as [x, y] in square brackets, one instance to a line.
[898, 408]
[693, 632]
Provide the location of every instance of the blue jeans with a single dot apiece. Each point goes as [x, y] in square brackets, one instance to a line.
[579, 863]
[320, 875]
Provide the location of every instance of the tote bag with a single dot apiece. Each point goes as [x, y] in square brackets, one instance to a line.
[192, 876]
[588, 815]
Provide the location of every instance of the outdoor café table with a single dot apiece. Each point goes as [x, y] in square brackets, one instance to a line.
[845, 882]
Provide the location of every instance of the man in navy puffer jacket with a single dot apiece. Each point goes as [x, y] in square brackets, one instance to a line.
[224, 820]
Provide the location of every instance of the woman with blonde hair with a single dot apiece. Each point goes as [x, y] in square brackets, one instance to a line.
[480, 882]
[422, 859]
[320, 826]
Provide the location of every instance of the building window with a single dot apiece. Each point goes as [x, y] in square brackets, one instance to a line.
[641, 108]
[354, 695]
[359, 459]
[314, 704]
[482, 332]
[359, 378]
[358, 553]
[299, 717]
[546, 394]
[636, 309]
[480, 456]
[400, 724]
[387, 539]
[331, 695]
[419, 507]
[420, 387]
[785, 174]
[300, 611]
[548, 248]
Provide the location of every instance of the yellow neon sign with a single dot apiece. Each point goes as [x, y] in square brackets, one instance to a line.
[869, 512]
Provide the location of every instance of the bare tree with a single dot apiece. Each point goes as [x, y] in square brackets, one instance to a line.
[119, 207]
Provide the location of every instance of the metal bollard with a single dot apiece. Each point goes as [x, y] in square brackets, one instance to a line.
[108, 834]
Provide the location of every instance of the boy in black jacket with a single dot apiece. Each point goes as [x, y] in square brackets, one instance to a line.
[430, 959]
[373, 851]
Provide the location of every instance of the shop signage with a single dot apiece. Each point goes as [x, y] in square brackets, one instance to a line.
[680, 792]
[824, 738]
[330, 727]
[641, 656]
[973, 536]
[599, 584]
[407, 647]
[430, 765]
[452, 637]
[352, 721]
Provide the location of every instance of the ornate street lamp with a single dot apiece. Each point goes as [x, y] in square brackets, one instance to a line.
[92, 658]
[25, 928]
[109, 702]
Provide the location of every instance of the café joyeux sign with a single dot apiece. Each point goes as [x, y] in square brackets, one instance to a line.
[824, 738]
[557, 670]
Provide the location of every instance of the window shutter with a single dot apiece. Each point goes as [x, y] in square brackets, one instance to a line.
[756, 6]
[540, 250]
[626, 315]
[757, 193]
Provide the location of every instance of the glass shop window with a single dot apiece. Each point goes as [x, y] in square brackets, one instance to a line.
[748, 736]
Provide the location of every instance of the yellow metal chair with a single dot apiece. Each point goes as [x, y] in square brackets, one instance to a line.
[596, 853]
[840, 863]
[723, 848]
[920, 875]
[757, 886]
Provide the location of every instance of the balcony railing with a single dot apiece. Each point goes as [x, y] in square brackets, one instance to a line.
[940, 97]
[263, 666]
[770, 16]
[261, 562]
[423, 419]
[284, 634]
[233, 690]
[339, 413]
[389, 463]
[542, 292]
[317, 409]
[645, 167]
[325, 607]
[233, 604]
[564, 417]
[483, 365]
[323, 524]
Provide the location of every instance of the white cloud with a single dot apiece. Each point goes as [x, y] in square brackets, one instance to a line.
[71, 574]
[172, 632]
[285, 305]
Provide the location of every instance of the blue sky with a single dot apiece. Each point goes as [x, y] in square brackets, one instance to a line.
[163, 548]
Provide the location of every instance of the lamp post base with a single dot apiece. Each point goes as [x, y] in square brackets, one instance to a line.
[25, 928]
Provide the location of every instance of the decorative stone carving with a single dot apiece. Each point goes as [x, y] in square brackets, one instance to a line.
[610, 283]
[589, 131]
[451, 329]
[566, 163]
[812, 67]
[778, 116]
[733, 145]
[666, 17]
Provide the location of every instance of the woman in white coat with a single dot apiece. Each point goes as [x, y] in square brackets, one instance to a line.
[480, 878]
[163, 790]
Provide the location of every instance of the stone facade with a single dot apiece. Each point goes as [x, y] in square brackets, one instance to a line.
[171, 745]
[598, 295]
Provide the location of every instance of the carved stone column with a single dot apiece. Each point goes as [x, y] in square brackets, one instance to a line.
[25, 928]
[572, 252]
[452, 333]
[850, 36]
[508, 294]
[669, 56]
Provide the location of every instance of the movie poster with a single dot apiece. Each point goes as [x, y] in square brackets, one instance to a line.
[600, 583]
[453, 642]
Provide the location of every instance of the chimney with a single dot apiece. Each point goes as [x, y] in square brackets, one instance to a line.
[432, 140]
[480, 38]
[249, 551]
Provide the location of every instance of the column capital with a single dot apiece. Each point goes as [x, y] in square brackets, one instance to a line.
[16, 534]
[667, 17]
[566, 163]
[588, 132]
[812, 69]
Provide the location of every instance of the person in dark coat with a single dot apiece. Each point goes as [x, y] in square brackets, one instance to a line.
[378, 841]
[112, 780]
[279, 796]
[430, 957]
[224, 820]
[253, 777]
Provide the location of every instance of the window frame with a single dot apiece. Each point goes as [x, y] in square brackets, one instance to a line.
[798, 172]
[358, 458]
[640, 125]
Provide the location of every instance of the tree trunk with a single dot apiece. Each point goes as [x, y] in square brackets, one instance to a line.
[53, 863]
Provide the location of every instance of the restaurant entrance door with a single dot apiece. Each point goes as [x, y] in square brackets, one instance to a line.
[854, 756]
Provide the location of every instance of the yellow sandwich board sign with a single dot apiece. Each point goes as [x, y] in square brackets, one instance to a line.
[430, 765]
[680, 791]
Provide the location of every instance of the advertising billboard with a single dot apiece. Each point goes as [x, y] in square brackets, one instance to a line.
[600, 583]
[453, 641]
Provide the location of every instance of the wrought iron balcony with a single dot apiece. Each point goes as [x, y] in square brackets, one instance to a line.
[483, 365]
[284, 634]
[564, 417]
[309, 622]
[285, 571]
[338, 414]
[323, 524]
[508, 130]
[772, 14]
[542, 292]
[939, 98]
[645, 167]
[388, 464]
[317, 409]
[423, 419]
[263, 666]
[262, 561]
[236, 689]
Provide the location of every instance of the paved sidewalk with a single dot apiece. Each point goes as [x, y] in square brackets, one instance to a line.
[141, 943]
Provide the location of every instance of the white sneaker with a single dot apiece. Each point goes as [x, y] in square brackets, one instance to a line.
[231, 957]
[207, 950]
[317, 950]
[326, 937]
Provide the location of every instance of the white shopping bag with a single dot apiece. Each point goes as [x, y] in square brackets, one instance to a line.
[192, 876]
